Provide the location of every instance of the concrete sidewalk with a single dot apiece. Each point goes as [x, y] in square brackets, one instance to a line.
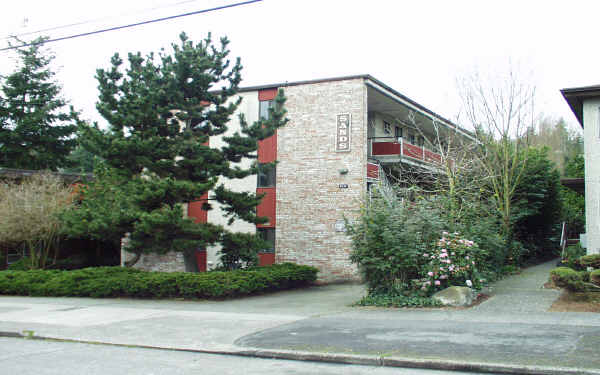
[509, 333]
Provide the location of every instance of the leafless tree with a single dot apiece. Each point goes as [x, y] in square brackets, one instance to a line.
[29, 216]
[501, 110]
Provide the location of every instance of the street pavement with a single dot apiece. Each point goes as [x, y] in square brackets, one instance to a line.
[45, 357]
[511, 332]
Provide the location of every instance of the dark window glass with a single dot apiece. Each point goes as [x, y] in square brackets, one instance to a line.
[387, 128]
[268, 235]
[412, 139]
[398, 132]
[263, 109]
[421, 141]
[266, 175]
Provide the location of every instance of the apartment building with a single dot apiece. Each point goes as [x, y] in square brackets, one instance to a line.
[343, 132]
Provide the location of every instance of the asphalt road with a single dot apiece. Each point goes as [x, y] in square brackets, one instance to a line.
[40, 357]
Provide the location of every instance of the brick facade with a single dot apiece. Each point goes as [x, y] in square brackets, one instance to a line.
[309, 199]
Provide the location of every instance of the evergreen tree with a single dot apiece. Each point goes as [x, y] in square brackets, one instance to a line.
[162, 113]
[36, 130]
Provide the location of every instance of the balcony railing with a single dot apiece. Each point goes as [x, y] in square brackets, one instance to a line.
[401, 147]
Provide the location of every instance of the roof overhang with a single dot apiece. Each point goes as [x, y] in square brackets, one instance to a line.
[577, 95]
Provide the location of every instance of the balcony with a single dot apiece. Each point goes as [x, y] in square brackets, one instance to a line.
[390, 146]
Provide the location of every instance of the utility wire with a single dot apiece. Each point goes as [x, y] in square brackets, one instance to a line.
[131, 25]
[98, 19]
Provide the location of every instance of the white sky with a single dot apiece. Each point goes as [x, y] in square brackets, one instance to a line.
[416, 47]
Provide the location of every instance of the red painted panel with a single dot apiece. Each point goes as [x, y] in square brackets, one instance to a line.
[432, 157]
[267, 94]
[267, 149]
[386, 148]
[413, 151]
[266, 259]
[372, 170]
[267, 206]
[195, 210]
[201, 260]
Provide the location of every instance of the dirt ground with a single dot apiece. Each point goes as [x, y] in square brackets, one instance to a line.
[577, 302]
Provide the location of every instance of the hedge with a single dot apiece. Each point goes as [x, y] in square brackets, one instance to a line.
[565, 277]
[129, 282]
[592, 260]
[595, 277]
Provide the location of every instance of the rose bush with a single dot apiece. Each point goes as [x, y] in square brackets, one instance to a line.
[453, 261]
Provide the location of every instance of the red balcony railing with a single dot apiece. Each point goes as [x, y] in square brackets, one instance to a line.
[401, 147]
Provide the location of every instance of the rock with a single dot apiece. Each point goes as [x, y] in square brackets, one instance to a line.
[455, 296]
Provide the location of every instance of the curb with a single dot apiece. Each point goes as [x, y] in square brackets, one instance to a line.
[342, 358]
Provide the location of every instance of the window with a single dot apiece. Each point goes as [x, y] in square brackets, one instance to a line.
[411, 137]
[263, 108]
[398, 132]
[387, 128]
[268, 235]
[266, 175]
[421, 141]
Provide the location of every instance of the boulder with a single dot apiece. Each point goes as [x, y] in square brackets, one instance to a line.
[455, 296]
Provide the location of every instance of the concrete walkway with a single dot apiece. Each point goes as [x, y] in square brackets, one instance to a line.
[510, 333]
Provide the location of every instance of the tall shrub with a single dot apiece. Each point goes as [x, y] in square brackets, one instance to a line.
[29, 216]
[389, 240]
[536, 220]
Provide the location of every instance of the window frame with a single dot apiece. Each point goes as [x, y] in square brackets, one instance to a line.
[387, 128]
[268, 235]
[270, 177]
[269, 105]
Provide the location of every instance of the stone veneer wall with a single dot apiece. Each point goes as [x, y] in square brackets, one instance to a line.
[169, 262]
[309, 199]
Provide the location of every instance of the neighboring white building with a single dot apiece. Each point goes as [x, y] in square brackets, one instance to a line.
[585, 104]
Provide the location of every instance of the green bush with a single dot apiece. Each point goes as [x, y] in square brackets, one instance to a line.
[571, 255]
[128, 282]
[595, 277]
[389, 242]
[388, 300]
[568, 278]
[592, 260]
[20, 265]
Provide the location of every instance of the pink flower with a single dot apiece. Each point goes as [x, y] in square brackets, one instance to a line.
[443, 277]
[429, 273]
[448, 261]
[444, 250]
[473, 262]
[425, 255]
[443, 255]
[451, 268]
[441, 268]
[437, 282]
[427, 282]
[467, 257]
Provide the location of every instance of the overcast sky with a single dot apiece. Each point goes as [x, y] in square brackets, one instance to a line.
[417, 47]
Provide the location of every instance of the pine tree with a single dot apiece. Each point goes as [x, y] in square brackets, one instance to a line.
[162, 113]
[36, 130]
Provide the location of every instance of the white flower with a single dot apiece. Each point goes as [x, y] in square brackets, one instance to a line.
[469, 283]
